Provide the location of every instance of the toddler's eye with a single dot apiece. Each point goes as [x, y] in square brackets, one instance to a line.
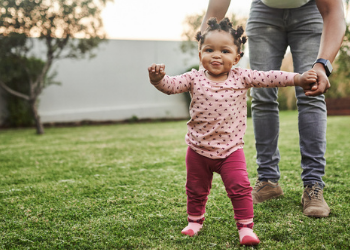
[208, 50]
[225, 51]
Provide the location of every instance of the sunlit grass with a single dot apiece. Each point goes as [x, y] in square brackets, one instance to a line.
[122, 187]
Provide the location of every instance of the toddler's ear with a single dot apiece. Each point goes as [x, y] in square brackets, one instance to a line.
[238, 57]
[200, 55]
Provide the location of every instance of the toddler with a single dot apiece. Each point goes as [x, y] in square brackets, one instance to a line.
[218, 121]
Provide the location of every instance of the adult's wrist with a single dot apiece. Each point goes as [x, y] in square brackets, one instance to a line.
[319, 67]
[323, 64]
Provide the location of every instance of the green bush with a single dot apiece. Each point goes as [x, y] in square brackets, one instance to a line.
[286, 99]
[340, 85]
[249, 107]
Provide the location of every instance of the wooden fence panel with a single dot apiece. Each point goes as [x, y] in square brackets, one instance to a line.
[339, 106]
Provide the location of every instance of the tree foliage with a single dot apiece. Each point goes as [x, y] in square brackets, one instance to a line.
[65, 28]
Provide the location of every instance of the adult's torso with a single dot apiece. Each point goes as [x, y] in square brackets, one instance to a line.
[285, 4]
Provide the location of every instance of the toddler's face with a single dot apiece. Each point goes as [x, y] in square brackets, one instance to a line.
[218, 53]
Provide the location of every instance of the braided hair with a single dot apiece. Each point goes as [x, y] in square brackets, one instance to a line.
[224, 25]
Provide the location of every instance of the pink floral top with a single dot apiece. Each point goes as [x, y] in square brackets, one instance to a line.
[218, 110]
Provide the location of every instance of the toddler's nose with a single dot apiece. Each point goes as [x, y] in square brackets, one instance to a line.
[216, 55]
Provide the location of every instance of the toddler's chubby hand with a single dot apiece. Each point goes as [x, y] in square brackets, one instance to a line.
[156, 73]
[307, 80]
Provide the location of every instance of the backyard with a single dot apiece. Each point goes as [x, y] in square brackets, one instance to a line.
[121, 186]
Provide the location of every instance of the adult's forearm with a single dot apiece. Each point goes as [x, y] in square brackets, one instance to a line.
[334, 26]
[216, 8]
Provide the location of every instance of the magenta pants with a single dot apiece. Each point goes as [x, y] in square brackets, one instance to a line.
[233, 173]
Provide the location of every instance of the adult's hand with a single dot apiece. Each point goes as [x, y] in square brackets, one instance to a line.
[322, 84]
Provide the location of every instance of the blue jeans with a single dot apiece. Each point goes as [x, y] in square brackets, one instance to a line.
[270, 31]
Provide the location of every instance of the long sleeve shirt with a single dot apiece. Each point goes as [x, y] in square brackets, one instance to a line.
[218, 110]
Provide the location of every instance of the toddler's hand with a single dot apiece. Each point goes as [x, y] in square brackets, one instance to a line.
[156, 73]
[307, 80]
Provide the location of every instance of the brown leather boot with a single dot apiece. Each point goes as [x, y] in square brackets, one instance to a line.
[265, 190]
[313, 202]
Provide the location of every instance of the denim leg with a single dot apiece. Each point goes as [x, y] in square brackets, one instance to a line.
[267, 42]
[269, 32]
[312, 137]
[304, 41]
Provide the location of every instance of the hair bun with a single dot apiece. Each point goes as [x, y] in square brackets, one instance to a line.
[225, 24]
[239, 32]
[199, 36]
[213, 23]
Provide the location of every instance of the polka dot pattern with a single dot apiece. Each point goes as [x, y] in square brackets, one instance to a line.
[218, 110]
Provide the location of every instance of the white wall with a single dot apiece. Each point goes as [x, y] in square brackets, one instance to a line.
[114, 85]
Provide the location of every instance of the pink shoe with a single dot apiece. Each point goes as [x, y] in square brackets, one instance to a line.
[246, 235]
[250, 241]
[194, 226]
[188, 232]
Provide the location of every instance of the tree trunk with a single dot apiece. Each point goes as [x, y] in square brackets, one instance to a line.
[38, 125]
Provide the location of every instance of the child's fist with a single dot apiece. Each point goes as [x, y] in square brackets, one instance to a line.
[156, 72]
[306, 80]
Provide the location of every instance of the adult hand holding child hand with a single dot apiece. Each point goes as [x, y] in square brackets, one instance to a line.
[307, 81]
[322, 84]
[156, 73]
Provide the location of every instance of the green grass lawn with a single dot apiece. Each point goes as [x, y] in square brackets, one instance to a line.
[122, 187]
